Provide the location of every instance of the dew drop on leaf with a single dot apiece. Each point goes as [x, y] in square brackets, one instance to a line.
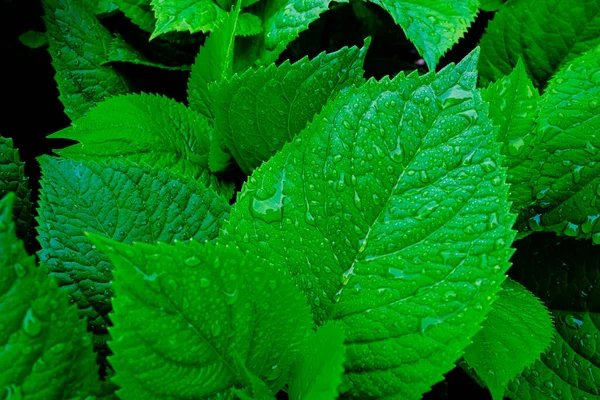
[31, 324]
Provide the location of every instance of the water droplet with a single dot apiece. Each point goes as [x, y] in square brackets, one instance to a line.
[31, 324]
[20, 270]
[337, 158]
[266, 206]
[455, 95]
[589, 224]
[571, 229]
[577, 174]
[594, 103]
[317, 301]
[535, 223]
[215, 328]
[516, 146]
[192, 261]
[204, 283]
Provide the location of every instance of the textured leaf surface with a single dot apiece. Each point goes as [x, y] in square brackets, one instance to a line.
[516, 331]
[78, 44]
[544, 33]
[565, 274]
[283, 20]
[513, 107]
[13, 179]
[320, 367]
[212, 301]
[257, 112]
[122, 201]
[566, 152]
[139, 12]
[491, 5]
[121, 51]
[390, 211]
[432, 25]
[185, 15]
[45, 351]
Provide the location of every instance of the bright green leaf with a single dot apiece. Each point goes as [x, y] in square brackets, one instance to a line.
[513, 107]
[121, 51]
[248, 25]
[185, 15]
[515, 333]
[565, 274]
[432, 25]
[78, 45]
[120, 200]
[491, 5]
[390, 210]
[198, 307]
[13, 179]
[139, 12]
[318, 373]
[566, 153]
[45, 351]
[257, 112]
[545, 34]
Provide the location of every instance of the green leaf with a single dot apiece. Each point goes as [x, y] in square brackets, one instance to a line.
[257, 112]
[121, 51]
[513, 107]
[120, 200]
[78, 48]
[283, 20]
[139, 12]
[390, 210]
[185, 15]
[432, 25]
[545, 34]
[105, 7]
[566, 154]
[248, 25]
[45, 351]
[33, 39]
[516, 331]
[318, 373]
[13, 179]
[213, 63]
[491, 5]
[198, 307]
[565, 274]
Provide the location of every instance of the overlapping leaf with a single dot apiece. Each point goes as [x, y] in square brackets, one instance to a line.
[45, 351]
[139, 12]
[13, 179]
[121, 51]
[515, 333]
[545, 34]
[390, 210]
[120, 200]
[565, 274]
[205, 315]
[257, 112]
[432, 25]
[78, 45]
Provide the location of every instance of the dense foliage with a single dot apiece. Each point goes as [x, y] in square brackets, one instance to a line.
[298, 226]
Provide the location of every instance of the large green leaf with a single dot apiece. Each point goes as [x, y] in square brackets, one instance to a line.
[513, 107]
[45, 351]
[257, 112]
[545, 34]
[565, 274]
[390, 210]
[283, 20]
[432, 25]
[516, 331]
[121, 200]
[205, 314]
[146, 129]
[566, 152]
[13, 179]
[78, 44]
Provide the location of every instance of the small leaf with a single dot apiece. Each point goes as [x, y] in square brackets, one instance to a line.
[257, 112]
[516, 331]
[121, 200]
[139, 12]
[33, 39]
[78, 48]
[45, 351]
[318, 372]
[212, 301]
[185, 15]
[121, 51]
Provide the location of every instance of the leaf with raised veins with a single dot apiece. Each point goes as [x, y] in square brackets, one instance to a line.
[121, 200]
[45, 351]
[565, 274]
[200, 310]
[318, 371]
[390, 211]
[516, 332]
[13, 179]
[545, 34]
[565, 160]
[432, 25]
[514, 103]
[78, 45]
[257, 112]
